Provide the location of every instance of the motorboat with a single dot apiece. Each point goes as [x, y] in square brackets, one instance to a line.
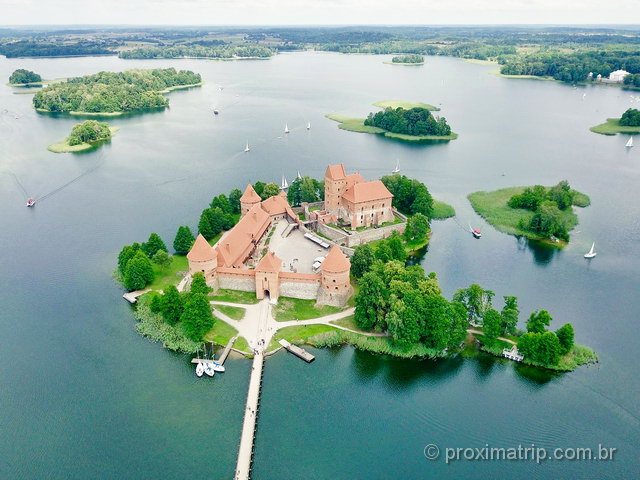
[31, 202]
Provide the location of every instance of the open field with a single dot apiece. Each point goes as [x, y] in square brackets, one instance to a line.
[612, 127]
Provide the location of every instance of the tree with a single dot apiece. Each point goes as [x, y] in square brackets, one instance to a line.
[383, 252]
[538, 321]
[171, 305]
[396, 246]
[24, 76]
[196, 318]
[151, 246]
[476, 300]
[370, 302]
[270, 190]
[211, 222]
[138, 272]
[362, 260]
[162, 258]
[542, 348]
[199, 284]
[510, 314]
[630, 118]
[126, 254]
[423, 202]
[417, 228]
[561, 194]
[234, 200]
[403, 324]
[183, 241]
[259, 188]
[548, 221]
[222, 202]
[565, 337]
[492, 322]
[89, 131]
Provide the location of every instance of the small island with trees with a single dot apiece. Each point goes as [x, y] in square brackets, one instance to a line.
[629, 122]
[84, 136]
[114, 93]
[407, 121]
[538, 212]
[409, 59]
[22, 78]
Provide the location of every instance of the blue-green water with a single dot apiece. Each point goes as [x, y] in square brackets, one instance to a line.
[83, 396]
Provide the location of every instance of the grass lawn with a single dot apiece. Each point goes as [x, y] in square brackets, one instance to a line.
[298, 309]
[347, 322]
[442, 210]
[222, 332]
[235, 313]
[612, 126]
[235, 296]
[406, 105]
[492, 206]
[165, 276]
[301, 333]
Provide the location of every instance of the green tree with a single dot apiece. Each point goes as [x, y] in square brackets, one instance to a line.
[562, 195]
[183, 241]
[383, 252]
[565, 337]
[371, 302]
[476, 300]
[126, 254]
[543, 348]
[403, 323]
[538, 321]
[199, 284]
[396, 245]
[162, 258]
[222, 202]
[270, 190]
[362, 260]
[151, 246]
[211, 222]
[234, 200]
[510, 313]
[197, 319]
[24, 76]
[89, 131]
[417, 228]
[259, 188]
[171, 305]
[630, 118]
[139, 272]
[492, 323]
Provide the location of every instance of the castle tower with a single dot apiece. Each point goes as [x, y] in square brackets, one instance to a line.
[335, 287]
[203, 258]
[248, 199]
[267, 281]
[335, 184]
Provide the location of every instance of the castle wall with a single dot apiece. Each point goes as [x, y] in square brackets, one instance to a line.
[298, 289]
[237, 279]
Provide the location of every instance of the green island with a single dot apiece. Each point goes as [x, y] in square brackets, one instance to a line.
[538, 212]
[391, 307]
[84, 136]
[216, 52]
[400, 120]
[409, 59]
[114, 93]
[23, 78]
[628, 123]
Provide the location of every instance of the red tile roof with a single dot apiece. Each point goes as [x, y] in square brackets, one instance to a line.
[234, 245]
[335, 172]
[269, 263]
[277, 206]
[336, 261]
[367, 191]
[201, 251]
[250, 195]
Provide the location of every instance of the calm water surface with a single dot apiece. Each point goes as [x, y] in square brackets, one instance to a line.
[83, 396]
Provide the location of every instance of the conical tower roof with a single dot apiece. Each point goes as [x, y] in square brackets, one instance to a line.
[201, 250]
[336, 261]
[269, 263]
[250, 195]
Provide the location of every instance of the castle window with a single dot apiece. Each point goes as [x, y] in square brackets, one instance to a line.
[336, 288]
[334, 280]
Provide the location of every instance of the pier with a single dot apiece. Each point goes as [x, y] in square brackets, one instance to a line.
[297, 351]
[222, 357]
[132, 297]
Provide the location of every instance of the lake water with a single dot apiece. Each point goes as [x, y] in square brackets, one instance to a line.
[84, 396]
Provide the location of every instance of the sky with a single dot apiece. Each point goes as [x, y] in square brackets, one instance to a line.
[317, 12]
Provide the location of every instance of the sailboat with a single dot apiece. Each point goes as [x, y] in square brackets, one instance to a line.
[208, 368]
[629, 143]
[397, 169]
[308, 125]
[284, 185]
[216, 366]
[591, 253]
[246, 149]
[299, 177]
[286, 128]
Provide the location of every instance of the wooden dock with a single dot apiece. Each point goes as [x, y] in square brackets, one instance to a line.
[247, 438]
[132, 297]
[297, 351]
[221, 358]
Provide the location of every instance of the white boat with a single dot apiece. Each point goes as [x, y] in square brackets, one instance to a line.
[299, 177]
[246, 149]
[308, 125]
[284, 185]
[629, 143]
[591, 253]
[216, 366]
[286, 128]
[208, 369]
[31, 202]
[199, 369]
[475, 232]
[397, 169]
